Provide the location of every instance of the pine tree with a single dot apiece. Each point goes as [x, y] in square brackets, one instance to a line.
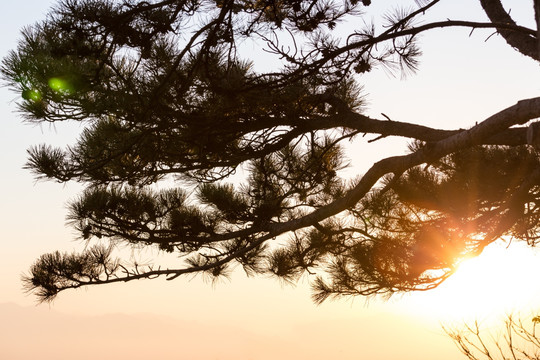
[166, 91]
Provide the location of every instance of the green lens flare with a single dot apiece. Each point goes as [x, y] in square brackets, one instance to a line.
[31, 94]
[60, 85]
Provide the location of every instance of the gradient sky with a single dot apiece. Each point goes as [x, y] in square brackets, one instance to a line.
[462, 80]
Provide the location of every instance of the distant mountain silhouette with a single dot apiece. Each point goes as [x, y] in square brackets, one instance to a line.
[28, 333]
[37, 332]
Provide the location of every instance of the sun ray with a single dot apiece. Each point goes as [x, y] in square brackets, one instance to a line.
[500, 281]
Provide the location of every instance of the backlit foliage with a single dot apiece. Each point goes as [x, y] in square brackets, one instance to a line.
[168, 92]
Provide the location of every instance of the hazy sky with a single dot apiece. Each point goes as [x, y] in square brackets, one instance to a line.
[462, 80]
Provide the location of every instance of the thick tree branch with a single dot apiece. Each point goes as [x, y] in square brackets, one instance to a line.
[537, 18]
[511, 137]
[163, 93]
[517, 114]
[525, 43]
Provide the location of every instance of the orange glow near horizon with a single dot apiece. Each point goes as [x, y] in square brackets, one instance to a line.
[498, 282]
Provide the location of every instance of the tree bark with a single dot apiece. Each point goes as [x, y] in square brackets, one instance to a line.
[524, 43]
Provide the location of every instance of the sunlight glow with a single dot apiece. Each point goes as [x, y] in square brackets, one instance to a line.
[498, 282]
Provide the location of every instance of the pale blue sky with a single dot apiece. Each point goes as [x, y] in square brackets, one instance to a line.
[461, 81]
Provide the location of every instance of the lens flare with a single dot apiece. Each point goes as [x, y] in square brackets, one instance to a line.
[60, 85]
[31, 94]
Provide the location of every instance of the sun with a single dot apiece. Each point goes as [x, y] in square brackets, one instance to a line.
[504, 279]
